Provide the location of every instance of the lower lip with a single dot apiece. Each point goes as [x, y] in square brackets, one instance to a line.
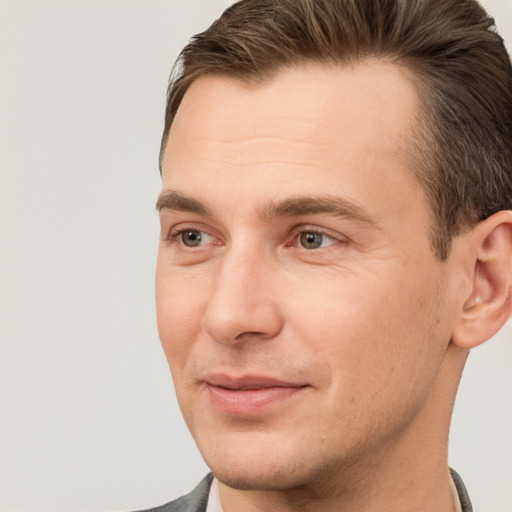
[248, 401]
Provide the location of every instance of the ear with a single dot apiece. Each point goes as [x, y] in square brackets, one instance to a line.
[489, 304]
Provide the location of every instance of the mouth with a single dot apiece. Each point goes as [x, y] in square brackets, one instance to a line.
[248, 394]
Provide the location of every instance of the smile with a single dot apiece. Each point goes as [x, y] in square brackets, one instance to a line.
[248, 395]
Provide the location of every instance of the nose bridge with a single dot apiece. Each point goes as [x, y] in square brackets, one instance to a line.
[240, 303]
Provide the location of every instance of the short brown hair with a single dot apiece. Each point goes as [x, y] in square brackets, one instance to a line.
[463, 146]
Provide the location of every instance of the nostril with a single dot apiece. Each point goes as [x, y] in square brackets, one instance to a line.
[250, 333]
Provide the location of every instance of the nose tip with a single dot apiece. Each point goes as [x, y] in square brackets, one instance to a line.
[242, 306]
[237, 324]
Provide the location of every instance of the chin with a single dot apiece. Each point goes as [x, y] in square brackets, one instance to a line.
[266, 479]
[249, 482]
[273, 470]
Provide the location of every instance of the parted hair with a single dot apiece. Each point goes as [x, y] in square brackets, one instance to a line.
[461, 151]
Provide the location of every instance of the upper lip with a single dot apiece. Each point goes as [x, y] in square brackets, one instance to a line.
[245, 382]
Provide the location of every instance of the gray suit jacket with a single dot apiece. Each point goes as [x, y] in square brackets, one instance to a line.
[197, 500]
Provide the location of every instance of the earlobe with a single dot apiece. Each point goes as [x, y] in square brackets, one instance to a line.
[489, 305]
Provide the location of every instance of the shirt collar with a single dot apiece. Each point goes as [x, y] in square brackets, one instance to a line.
[214, 504]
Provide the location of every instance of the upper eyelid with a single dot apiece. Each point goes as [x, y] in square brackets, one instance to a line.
[176, 231]
[190, 226]
[304, 228]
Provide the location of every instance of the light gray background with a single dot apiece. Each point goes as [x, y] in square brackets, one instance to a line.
[89, 421]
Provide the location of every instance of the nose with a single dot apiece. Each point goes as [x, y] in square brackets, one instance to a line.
[242, 305]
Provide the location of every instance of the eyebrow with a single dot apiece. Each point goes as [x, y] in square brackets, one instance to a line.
[293, 207]
[172, 200]
[333, 205]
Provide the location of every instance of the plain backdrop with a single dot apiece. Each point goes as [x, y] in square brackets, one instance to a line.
[89, 421]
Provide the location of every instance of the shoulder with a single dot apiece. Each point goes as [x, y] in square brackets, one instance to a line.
[196, 501]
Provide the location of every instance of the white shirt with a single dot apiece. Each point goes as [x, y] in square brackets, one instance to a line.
[214, 504]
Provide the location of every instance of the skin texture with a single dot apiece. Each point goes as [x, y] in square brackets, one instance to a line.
[363, 323]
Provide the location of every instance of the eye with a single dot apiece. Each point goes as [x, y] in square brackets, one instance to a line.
[314, 240]
[193, 237]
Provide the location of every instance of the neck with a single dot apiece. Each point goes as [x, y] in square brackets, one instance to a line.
[409, 473]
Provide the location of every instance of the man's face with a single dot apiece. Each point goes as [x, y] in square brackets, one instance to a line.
[302, 311]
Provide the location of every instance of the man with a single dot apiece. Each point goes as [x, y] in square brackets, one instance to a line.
[336, 236]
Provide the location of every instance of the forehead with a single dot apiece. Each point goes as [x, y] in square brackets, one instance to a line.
[313, 129]
[312, 103]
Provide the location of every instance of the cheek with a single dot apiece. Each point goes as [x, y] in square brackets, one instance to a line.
[377, 329]
[178, 315]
